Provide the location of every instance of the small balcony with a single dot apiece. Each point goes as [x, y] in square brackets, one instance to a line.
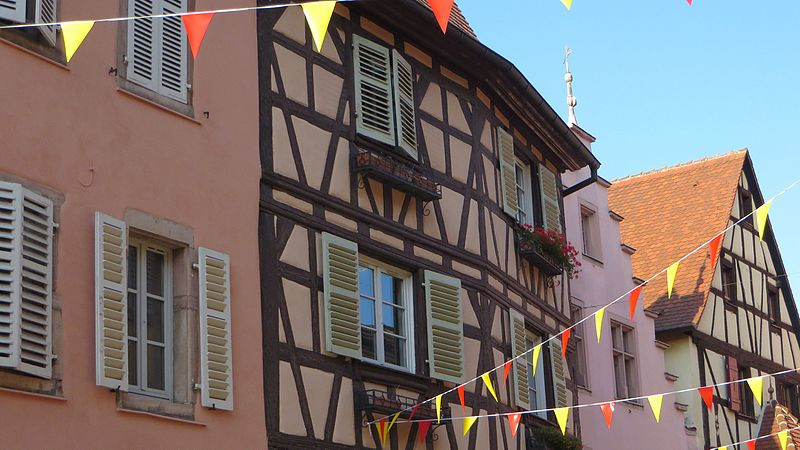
[398, 174]
[383, 403]
[544, 262]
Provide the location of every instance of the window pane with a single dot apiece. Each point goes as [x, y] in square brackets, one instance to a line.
[133, 363]
[393, 320]
[628, 337]
[391, 289]
[366, 281]
[367, 309]
[619, 375]
[155, 273]
[155, 367]
[155, 320]
[368, 343]
[133, 253]
[394, 350]
[630, 376]
[133, 315]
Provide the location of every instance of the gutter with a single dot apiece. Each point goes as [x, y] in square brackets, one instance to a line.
[577, 187]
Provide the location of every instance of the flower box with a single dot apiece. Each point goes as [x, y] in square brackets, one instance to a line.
[545, 262]
[548, 250]
[397, 174]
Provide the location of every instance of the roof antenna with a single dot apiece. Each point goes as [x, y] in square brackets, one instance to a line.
[572, 102]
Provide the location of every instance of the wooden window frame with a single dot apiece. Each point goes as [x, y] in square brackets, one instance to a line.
[773, 305]
[728, 287]
[747, 410]
[525, 213]
[537, 386]
[630, 381]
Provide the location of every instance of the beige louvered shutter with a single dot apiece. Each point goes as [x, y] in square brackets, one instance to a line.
[13, 10]
[517, 332]
[550, 206]
[142, 51]
[215, 330]
[405, 116]
[373, 86]
[340, 282]
[508, 171]
[173, 51]
[111, 292]
[559, 379]
[445, 327]
[46, 13]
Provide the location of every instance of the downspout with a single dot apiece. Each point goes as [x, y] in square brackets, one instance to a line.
[577, 187]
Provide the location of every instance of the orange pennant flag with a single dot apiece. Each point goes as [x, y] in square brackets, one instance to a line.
[513, 423]
[413, 411]
[196, 26]
[382, 430]
[751, 445]
[713, 249]
[565, 341]
[461, 398]
[506, 369]
[608, 412]
[707, 393]
[468, 422]
[424, 426]
[442, 9]
[488, 382]
[562, 416]
[634, 299]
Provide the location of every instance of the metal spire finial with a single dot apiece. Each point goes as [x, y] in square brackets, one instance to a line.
[572, 102]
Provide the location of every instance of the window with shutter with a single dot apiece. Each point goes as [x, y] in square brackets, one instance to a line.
[518, 341]
[557, 371]
[405, 117]
[734, 395]
[111, 316]
[551, 209]
[215, 330]
[373, 86]
[13, 10]
[46, 13]
[173, 54]
[445, 327]
[508, 172]
[340, 283]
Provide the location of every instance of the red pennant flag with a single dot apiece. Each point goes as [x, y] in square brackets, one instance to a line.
[751, 445]
[713, 249]
[424, 426]
[513, 423]
[608, 412]
[565, 341]
[381, 425]
[196, 27]
[413, 410]
[461, 397]
[506, 369]
[441, 9]
[707, 393]
[635, 299]
[689, 2]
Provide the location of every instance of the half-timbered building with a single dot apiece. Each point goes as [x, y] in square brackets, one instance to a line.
[734, 320]
[397, 163]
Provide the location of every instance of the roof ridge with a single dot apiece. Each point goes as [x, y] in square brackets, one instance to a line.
[679, 166]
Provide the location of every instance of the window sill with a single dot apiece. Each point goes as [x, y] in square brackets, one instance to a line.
[33, 394]
[585, 389]
[158, 407]
[160, 416]
[130, 91]
[746, 418]
[28, 45]
[636, 403]
[593, 259]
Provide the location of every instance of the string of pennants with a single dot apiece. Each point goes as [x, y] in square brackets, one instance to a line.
[783, 439]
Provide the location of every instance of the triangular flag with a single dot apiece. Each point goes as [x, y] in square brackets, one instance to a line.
[567, 3]
[761, 218]
[757, 386]
[488, 382]
[655, 404]
[608, 412]
[506, 369]
[634, 299]
[196, 26]
[707, 393]
[382, 431]
[689, 2]
[565, 341]
[461, 398]
[598, 322]
[713, 249]
[424, 426]
[318, 16]
[672, 272]
[74, 33]
[537, 351]
[468, 421]
[751, 445]
[723, 448]
[438, 409]
[441, 9]
[513, 423]
[783, 437]
[394, 418]
[562, 416]
[413, 411]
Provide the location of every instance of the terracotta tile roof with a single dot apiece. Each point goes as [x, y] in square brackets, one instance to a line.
[457, 18]
[777, 418]
[668, 213]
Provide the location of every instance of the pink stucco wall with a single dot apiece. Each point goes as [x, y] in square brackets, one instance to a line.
[56, 124]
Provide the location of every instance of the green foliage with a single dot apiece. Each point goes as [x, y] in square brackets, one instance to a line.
[551, 439]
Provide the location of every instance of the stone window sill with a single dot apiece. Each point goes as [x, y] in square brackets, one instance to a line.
[157, 407]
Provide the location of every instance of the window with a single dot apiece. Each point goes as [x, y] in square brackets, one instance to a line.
[789, 396]
[577, 359]
[746, 399]
[31, 11]
[385, 315]
[522, 176]
[590, 233]
[624, 354]
[774, 304]
[745, 204]
[729, 282]
[149, 319]
[536, 384]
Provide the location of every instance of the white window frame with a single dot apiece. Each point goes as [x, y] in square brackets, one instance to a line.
[143, 246]
[579, 336]
[634, 381]
[537, 389]
[379, 268]
[525, 204]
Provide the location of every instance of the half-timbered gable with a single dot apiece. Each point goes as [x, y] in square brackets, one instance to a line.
[726, 322]
[397, 163]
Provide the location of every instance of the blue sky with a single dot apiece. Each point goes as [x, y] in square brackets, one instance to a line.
[660, 83]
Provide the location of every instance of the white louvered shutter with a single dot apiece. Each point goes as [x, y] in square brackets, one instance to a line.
[173, 54]
[142, 49]
[46, 13]
[340, 282]
[13, 10]
[445, 327]
[559, 379]
[215, 330]
[517, 332]
[111, 307]
[373, 85]
[508, 171]
[549, 189]
[26, 273]
[405, 116]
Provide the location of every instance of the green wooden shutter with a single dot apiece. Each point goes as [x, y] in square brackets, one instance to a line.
[373, 86]
[549, 189]
[559, 379]
[340, 282]
[508, 172]
[517, 332]
[445, 327]
[405, 116]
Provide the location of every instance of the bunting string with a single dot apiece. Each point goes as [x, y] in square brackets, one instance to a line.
[632, 294]
[753, 441]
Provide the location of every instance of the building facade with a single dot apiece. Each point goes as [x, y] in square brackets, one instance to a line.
[396, 165]
[129, 288]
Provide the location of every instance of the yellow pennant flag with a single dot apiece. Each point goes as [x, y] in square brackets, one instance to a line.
[783, 437]
[598, 322]
[74, 33]
[672, 272]
[393, 420]
[562, 416]
[567, 3]
[438, 409]
[655, 404]
[318, 16]
[537, 351]
[488, 382]
[468, 421]
[761, 218]
[757, 386]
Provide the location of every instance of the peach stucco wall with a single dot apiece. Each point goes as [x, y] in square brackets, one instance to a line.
[58, 123]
